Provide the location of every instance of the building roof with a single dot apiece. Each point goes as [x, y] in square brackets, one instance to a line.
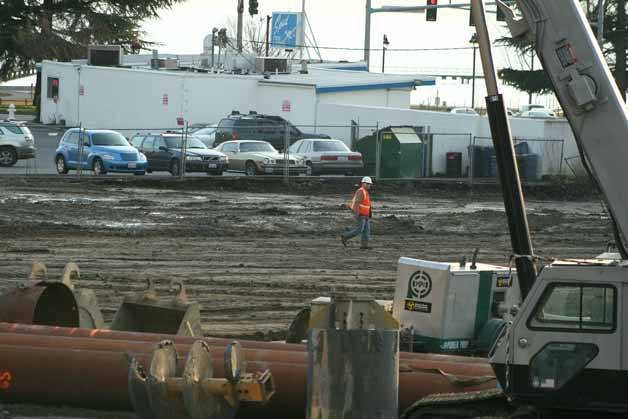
[328, 80]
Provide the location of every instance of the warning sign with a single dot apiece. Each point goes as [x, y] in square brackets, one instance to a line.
[164, 99]
[81, 90]
[286, 106]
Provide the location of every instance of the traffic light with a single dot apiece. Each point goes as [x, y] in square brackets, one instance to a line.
[253, 5]
[430, 13]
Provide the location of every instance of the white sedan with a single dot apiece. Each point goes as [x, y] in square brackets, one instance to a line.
[327, 156]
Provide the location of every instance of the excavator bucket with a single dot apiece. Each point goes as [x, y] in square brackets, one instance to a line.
[145, 312]
[43, 302]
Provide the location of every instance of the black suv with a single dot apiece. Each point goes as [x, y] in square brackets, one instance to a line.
[254, 126]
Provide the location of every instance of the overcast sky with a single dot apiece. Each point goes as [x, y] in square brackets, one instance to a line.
[340, 23]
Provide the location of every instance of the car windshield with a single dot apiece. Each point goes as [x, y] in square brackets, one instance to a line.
[109, 138]
[204, 131]
[256, 147]
[175, 142]
[320, 146]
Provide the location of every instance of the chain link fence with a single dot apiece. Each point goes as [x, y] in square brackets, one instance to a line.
[276, 147]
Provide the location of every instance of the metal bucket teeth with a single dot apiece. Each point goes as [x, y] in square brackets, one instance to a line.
[165, 399]
[199, 402]
[234, 362]
[138, 391]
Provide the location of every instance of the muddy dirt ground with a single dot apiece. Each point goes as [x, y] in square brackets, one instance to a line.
[253, 258]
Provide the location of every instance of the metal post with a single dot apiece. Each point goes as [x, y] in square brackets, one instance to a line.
[81, 139]
[286, 156]
[268, 18]
[240, 18]
[471, 158]
[367, 35]
[214, 31]
[600, 22]
[383, 59]
[378, 150]
[473, 80]
[184, 149]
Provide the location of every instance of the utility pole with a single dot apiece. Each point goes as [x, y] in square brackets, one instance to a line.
[531, 69]
[214, 31]
[474, 42]
[240, 17]
[268, 18]
[302, 30]
[367, 35]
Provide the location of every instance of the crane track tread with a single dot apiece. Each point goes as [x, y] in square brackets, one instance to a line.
[455, 398]
[455, 401]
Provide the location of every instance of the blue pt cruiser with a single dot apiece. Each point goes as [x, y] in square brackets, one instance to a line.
[101, 151]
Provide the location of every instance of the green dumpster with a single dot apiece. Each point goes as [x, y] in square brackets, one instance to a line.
[402, 153]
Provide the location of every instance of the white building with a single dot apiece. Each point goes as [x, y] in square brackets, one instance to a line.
[133, 99]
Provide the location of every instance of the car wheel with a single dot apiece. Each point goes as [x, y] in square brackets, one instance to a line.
[309, 171]
[8, 156]
[98, 168]
[175, 167]
[251, 169]
[62, 167]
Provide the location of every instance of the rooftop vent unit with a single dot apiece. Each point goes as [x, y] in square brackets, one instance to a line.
[271, 65]
[104, 55]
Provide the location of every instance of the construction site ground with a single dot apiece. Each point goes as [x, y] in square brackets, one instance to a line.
[253, 252]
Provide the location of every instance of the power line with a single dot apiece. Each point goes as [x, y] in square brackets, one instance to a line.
[275, 44]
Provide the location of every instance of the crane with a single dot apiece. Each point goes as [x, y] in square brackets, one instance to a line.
[562, 355]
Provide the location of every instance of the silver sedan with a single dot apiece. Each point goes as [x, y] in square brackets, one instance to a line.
[327, 156]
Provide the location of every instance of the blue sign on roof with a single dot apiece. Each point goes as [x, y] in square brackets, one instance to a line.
[284, 33]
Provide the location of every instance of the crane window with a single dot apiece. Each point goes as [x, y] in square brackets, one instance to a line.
[558, 362]
[576, 307]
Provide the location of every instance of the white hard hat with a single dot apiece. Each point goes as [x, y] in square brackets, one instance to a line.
[367, 179]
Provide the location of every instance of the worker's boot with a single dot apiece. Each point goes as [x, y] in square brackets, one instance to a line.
[343, 239]
[365, 245]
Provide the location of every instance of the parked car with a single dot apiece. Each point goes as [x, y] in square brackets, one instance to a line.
[206, 134]
[102, 151]
[539, 114]
[324, 156]
[530, 107]
[16, 142]
[468, 111]
[254, 126]
[164, 153]
[259, 157]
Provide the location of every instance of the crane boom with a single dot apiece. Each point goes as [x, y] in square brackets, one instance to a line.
[586, 90]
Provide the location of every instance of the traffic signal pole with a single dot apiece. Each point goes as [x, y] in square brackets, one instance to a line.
[240, 18]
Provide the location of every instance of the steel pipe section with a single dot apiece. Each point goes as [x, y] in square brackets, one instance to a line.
[53, 366]
[45, 303]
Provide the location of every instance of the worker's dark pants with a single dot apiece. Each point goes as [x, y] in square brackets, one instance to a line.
[362, 226]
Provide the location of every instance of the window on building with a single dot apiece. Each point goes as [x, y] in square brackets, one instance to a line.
[53, 87]
[576, 307]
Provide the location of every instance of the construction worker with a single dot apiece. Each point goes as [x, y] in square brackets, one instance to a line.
[362, 211]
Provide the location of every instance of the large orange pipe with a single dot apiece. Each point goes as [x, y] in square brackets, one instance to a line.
[251, 354]
[155, 337]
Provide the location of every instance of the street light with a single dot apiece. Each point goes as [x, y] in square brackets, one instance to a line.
[386, 43]
[473, 41]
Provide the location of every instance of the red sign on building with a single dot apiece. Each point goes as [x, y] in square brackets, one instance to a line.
[164, 99]
[286, 106]
[81, 90]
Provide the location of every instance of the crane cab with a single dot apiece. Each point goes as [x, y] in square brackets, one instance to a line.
[564, 347]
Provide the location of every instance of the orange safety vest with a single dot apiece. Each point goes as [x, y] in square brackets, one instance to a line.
[365, 205]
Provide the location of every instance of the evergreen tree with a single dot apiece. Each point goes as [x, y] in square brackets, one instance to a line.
[36, 30]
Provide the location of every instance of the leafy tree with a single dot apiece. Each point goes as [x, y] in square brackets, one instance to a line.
[615, 48]
[36, 30]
